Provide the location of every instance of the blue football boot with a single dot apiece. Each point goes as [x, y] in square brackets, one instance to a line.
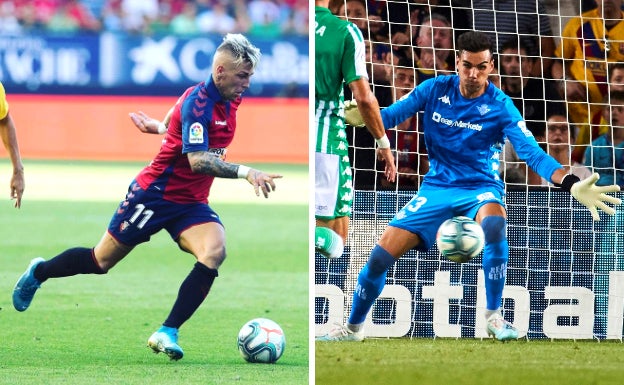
[165, 340]
[500, 329]
[26, 286]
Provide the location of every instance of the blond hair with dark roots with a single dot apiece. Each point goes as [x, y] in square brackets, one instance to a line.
[240, 50]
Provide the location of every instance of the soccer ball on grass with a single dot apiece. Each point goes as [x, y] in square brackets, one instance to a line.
[261, 341]
[460, 239]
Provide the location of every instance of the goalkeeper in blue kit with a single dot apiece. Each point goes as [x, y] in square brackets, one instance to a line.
[466, 119]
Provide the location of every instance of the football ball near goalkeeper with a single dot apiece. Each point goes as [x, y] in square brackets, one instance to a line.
[460, 239]
[261, 341]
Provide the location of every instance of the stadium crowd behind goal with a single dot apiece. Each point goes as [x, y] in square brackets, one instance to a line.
[565, 275]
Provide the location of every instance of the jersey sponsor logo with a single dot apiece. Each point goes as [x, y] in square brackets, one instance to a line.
[220, 152]
[220, 123]
[196, 133]
[436, 117]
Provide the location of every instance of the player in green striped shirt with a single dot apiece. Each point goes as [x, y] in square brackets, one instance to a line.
[339, 59]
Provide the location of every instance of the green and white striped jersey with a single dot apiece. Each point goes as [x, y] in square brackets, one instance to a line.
[339, 59]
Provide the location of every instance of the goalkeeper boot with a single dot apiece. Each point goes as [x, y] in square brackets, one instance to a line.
[341, 333]
[26, 286]
[165, 340]
[500, 329]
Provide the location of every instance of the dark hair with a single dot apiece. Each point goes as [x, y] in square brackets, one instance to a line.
[519, 44]
[405, 63]
[612, 66]
[616, 95]
[474, 41]
[556, 107]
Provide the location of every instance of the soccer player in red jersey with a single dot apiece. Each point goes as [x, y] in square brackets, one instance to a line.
[172, 194]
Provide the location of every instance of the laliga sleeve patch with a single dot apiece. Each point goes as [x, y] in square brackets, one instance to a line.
[196, 133]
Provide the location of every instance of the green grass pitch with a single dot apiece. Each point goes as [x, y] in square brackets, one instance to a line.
[93, 329]
[469, 362]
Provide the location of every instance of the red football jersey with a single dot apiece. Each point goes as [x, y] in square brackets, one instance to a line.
[201, 121]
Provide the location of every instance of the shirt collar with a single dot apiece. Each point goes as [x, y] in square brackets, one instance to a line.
[213, 91]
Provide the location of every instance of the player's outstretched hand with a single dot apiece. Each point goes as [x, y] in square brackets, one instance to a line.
[594, 197]
[262, 181]
[144, 123]
[352, 114]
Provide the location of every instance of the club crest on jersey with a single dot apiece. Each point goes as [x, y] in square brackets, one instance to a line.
[196, 133]
[483, 109]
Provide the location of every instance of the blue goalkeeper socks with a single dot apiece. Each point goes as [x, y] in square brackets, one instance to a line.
[371, 280]
[495, 256]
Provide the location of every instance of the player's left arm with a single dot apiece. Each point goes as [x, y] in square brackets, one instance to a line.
[205, 162]
[585, 191]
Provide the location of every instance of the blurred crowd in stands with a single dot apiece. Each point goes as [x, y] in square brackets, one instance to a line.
[265, 18]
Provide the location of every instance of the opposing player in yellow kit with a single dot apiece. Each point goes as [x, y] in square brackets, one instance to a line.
[9, 139]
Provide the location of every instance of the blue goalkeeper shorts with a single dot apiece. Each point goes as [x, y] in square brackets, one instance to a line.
[144, 213]
[426, 211]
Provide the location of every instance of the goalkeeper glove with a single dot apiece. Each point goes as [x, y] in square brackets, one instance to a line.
[352, 114]
[591, 196]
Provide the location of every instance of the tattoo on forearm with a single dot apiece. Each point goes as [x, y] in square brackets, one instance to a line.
[210, 164]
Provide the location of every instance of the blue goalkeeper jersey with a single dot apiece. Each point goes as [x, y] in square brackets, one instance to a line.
[464, 137]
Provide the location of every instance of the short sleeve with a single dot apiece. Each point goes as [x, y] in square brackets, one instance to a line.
[4, 105]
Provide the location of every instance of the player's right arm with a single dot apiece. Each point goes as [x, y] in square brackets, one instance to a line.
[368, 107]
[407, 106]
[205, 162]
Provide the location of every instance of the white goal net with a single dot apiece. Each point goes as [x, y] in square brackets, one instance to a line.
[565, 274]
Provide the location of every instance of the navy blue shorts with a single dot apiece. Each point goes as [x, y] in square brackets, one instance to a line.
[144, 213]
